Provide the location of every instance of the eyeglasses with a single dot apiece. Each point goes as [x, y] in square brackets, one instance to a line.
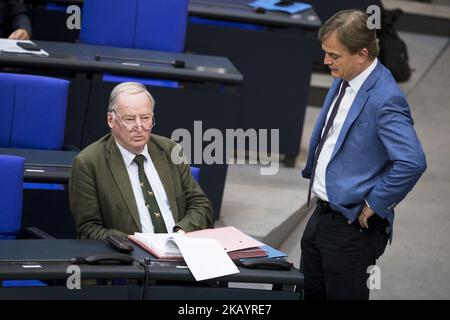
[146, 122]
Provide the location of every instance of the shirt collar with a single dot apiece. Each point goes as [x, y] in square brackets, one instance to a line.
[128, 157]
[356, 83]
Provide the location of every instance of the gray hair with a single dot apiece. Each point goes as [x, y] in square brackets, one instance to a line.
[352, 31]
[127, 88]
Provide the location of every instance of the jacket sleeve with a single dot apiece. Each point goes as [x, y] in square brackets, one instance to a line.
[198, 209]
[84, 203]
[18, 15]
[396, 132]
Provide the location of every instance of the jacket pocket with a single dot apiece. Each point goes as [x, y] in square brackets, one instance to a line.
[381, 240]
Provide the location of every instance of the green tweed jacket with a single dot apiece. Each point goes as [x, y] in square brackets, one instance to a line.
[102, 200]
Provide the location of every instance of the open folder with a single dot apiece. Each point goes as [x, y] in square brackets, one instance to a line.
[235, 243]
[205, 258]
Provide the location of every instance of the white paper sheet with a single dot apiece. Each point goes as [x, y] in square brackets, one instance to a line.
[206, 258]
[10, 46]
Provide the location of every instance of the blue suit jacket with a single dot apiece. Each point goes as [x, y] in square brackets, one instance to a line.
[377, 157]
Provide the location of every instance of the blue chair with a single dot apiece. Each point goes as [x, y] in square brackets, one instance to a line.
[22, 283]
[32, 111]
[11, 173]
[143, 24]
[195, 173]
[32, 115]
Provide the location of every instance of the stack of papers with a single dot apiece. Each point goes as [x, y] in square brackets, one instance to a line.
[208, 252]
[234, 242]
[10, 46]
[205, 258]
[159, 245]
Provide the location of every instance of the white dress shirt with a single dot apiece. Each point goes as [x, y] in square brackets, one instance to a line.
[319, 185]
[157, 188]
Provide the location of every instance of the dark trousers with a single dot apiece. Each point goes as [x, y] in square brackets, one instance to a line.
[336, 255]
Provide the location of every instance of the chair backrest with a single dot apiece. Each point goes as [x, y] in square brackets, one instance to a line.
[32, 111]
[143, 24]
[11, 173]
[195, 173]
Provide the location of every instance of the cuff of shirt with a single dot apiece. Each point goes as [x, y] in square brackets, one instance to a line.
[176, 228]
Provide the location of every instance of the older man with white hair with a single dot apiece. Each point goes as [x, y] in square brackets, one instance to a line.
[126, 181]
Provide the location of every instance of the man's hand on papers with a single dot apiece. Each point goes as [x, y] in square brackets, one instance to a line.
[19, 34]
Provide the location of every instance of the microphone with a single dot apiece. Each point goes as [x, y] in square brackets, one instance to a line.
[284, 3]
[74, 260]
[78, 260]
[175, 63]
[114, 258]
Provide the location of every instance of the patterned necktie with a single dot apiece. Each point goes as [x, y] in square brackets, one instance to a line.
[325, 136]
[149, 197]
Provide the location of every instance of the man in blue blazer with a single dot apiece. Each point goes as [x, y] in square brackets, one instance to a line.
[364, 157]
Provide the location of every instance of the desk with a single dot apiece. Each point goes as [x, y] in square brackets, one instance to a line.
[16, 253]
[52, 166]
[205, 93]
[238, 10]
[275, 53]
[82, 58]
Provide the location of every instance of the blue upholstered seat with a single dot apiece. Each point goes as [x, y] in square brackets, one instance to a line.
[32, 111]
[11, 173]
[143, 24]
[195, 173]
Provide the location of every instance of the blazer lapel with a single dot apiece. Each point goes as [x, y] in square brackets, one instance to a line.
[161, 164]
[357, 106]
[122, 179]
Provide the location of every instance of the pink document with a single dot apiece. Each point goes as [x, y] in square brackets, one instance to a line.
[230, 238]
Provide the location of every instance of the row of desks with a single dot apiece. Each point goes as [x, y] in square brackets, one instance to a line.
[201, 83]
[78, 58]
[273, 50]
[47, 260]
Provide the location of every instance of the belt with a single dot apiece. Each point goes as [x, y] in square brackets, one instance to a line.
[324, 205]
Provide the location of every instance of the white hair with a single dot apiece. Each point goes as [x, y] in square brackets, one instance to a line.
[127, 88]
